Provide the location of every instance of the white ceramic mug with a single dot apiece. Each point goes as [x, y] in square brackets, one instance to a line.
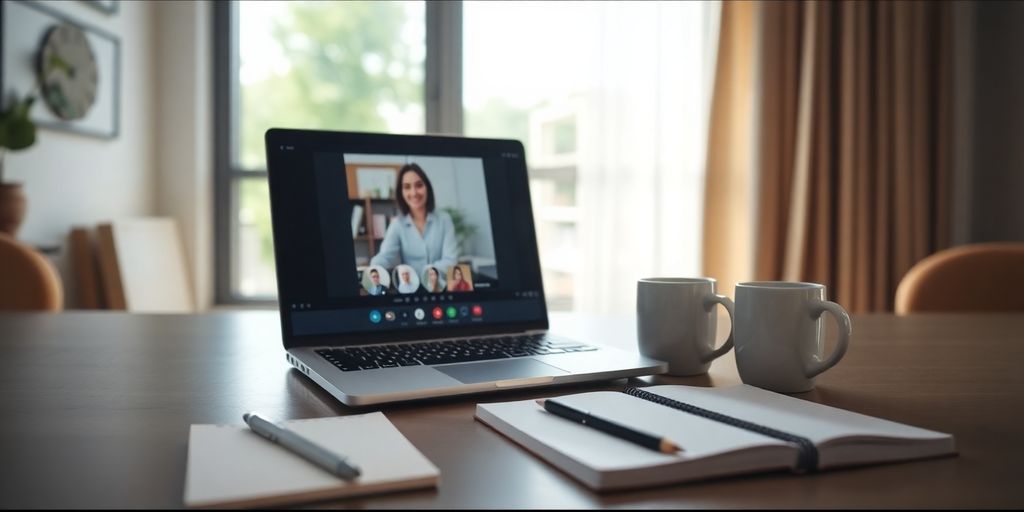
[779, 337]
[676, 322]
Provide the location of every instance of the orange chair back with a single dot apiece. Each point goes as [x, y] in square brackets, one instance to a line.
[27, 280]
[977, 277]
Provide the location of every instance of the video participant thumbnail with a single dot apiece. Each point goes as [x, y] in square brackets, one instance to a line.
[433, 279]
[408, 281]
[376, 281]
[460, 279]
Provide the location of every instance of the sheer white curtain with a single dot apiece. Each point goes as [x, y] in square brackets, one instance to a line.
[642, 136]
[611, 100]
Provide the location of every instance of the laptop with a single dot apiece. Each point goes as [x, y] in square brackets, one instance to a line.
[407, 268]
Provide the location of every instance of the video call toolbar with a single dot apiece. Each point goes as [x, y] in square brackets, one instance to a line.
[425, 314]
[417, 315]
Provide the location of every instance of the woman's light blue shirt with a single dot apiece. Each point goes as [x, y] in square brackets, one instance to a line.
[403, 243]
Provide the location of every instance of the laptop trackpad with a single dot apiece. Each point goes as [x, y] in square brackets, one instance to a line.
[472, 373]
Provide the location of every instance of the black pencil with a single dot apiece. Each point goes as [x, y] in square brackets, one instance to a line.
[658, 444]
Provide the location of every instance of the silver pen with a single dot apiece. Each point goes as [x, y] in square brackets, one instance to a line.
[302, 447]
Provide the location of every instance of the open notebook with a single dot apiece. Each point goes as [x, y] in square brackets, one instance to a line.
[231, 466]
[810, 436]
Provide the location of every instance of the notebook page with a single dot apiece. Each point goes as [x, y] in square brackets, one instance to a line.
[817, 422]
[231, 464]
[698, 436]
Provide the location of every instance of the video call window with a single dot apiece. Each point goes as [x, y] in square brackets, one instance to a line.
[421, 224]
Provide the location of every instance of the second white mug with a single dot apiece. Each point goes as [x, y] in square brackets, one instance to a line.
[779, 340]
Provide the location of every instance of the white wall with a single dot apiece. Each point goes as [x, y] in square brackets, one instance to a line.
[184, 133]
[75, 179]
[469, 189]
[161, 163]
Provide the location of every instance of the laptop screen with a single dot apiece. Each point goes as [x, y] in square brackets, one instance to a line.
[394, 237]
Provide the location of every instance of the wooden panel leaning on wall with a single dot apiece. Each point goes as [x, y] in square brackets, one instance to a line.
[142, 266]
[84, 270]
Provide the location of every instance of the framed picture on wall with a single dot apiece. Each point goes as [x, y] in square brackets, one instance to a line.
[373, 181]
[376, 182]
[73, 68]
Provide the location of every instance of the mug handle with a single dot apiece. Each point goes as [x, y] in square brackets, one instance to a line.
[709, 303]
[819, 307]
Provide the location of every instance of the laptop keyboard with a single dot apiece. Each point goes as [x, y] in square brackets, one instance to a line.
[349, 359]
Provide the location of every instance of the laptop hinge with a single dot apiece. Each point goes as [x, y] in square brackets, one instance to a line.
[527, 332]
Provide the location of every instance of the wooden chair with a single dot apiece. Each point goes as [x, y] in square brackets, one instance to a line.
[977, 277]
[27, 280]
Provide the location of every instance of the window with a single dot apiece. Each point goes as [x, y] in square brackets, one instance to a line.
[320, 65]
[609, 98]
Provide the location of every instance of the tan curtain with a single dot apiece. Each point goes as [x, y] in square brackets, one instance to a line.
[852, 164]
[727, 243]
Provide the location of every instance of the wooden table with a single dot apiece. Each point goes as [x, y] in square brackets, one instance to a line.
[95, 410]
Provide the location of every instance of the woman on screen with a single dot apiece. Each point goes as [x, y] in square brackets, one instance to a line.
[420, 236]
[408, 281]
[458, 282]
[432, 280]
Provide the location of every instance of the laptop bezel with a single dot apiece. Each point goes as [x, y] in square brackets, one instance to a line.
[365, 142]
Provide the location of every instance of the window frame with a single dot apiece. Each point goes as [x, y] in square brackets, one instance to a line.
[442, 97]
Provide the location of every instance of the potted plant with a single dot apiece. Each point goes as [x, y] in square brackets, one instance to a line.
[463, 228]
[17, 132]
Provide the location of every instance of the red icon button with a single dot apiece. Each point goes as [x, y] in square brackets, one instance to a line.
[478, 310]
[438, 313]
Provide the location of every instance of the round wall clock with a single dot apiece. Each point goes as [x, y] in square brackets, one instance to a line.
[68, 72]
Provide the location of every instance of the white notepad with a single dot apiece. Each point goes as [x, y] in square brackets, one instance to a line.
[711, 448]
[231, 466]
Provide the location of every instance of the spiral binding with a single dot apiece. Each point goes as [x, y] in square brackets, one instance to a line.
[807, 458]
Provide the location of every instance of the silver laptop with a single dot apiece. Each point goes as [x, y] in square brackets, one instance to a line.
[407, 268]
